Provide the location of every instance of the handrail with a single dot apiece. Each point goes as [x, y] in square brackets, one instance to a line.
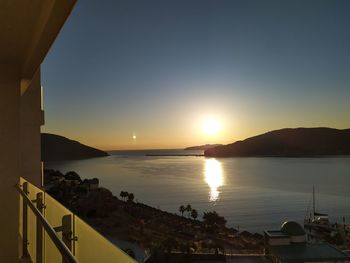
[65, 252]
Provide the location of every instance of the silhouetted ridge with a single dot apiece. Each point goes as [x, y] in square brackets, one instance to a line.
[202, 147]
[289, 142]
[58, 148]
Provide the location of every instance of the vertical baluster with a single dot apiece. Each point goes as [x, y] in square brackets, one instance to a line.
[67, 232]
[39, 229]
[25, 223]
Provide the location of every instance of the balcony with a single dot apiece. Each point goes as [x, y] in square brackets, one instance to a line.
[49, 232]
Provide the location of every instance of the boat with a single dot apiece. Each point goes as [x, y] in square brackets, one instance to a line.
[317, 225]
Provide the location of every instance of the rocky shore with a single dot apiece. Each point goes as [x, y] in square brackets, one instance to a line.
[151, 228]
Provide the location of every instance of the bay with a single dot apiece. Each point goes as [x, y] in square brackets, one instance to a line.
[253, 194]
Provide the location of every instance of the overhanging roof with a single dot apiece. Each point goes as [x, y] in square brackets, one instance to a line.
[27, 30]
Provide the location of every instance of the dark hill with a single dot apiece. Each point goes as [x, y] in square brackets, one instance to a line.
[58, 148]
[297, 142]
[202, 147]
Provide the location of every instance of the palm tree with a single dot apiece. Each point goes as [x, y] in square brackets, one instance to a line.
[131, 197]
[194, 214]
[182, 209]
[188, 209]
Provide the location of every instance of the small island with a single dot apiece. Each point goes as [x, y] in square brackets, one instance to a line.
[59, 148]
[298, 142]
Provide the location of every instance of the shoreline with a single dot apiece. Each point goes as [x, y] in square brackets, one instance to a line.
[148, 227]
[178, 155]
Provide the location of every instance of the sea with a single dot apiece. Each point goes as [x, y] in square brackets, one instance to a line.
[253, 194]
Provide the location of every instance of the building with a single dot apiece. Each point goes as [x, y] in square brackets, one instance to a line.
[33, 226]
[289, 244]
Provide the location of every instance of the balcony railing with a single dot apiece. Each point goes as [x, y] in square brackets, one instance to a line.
[51, 233]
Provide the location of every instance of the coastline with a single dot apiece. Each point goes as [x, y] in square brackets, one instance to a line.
[167, 182]
[148, 227]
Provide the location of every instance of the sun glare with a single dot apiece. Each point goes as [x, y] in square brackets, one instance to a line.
[213, 176]
[211, 126]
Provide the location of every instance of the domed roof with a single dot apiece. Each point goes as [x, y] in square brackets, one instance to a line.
[292, 228]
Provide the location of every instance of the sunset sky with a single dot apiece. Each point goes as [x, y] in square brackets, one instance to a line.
[150, 74]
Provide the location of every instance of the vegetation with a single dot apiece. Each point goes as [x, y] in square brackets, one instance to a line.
[194, 214]
[149, 227]
[126, 196]
[188, 209]
[213, 219]
[131, 197]
[123, 195]
[182, 210]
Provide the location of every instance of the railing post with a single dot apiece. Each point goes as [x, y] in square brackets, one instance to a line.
[67, 232]
[67, 254]
[39, 229]
[25, 223]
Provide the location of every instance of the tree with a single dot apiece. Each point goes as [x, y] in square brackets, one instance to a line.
[194, 214]
[131, 197]
[182, 209]
[71, 175]
[213, 219]
[188, 209]
[123, 195]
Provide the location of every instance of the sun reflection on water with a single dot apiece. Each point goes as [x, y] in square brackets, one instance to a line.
[213, 176]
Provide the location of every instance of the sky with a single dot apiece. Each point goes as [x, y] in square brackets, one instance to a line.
[126, 74]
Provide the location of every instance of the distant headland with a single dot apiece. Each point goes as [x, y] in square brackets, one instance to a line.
[288, 142]
[203, 147]
[58, 148]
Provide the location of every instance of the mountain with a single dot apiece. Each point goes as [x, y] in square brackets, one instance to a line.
[58, 148]
[288, 142]
[202, 147]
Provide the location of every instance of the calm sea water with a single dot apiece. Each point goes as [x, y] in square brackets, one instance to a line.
[252, 193]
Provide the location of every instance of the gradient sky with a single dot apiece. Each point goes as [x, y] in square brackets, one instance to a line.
[155, 69]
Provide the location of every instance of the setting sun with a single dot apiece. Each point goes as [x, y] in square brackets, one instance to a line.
[211, 126]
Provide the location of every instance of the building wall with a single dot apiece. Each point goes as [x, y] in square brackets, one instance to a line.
[32, 117]
[279, 241]
[9, 161]
[298, 239]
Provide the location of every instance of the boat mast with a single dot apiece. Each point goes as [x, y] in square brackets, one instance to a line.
[313, 200]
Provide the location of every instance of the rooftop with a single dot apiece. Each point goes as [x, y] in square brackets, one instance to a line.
[308, 252]
[275, 233]
[292, 228]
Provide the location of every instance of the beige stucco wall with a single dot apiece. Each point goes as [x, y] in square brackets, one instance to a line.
[27, 31]
[9, 161]
[32, 117]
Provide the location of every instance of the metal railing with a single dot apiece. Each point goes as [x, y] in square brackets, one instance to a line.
[41, 223]
[52, 234]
